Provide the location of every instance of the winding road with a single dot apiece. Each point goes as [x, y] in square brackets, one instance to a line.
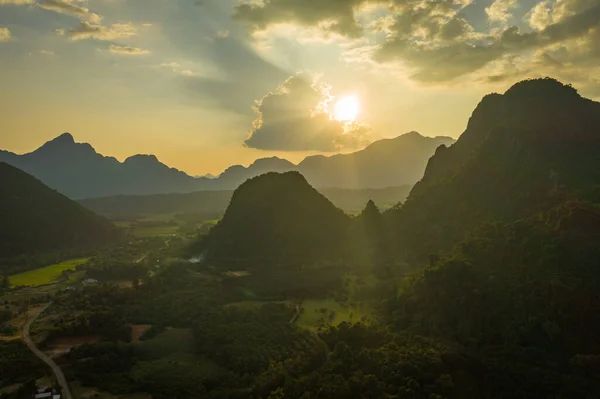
[60, 377]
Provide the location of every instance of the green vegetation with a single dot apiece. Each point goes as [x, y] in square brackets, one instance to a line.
[145, 231]
[46, 275]
[319, 312]
[18, 364]
[172, 341]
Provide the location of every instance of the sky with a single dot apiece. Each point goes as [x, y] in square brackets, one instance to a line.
[204, 84]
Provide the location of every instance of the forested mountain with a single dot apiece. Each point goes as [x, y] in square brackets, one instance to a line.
[36, 219]
[524, 151]
[278, 218]
[78, 171]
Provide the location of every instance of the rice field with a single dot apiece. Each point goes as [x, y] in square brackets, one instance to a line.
[45, 275]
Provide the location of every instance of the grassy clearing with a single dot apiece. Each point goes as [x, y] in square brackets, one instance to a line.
[154, 231]
[317, 311]
[177, 366]
[45, 275]
[137, 330]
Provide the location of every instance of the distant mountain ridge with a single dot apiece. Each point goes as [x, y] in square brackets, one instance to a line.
[78, 171]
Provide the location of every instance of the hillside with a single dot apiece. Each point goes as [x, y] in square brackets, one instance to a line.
[524, 151]
[215, 202]
[36, 219]
[78, 171]
[507, 294]
[278, 218]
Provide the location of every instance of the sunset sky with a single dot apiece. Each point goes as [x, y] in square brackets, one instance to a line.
[204, 84]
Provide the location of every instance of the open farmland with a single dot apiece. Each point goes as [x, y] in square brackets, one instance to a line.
[45, 275]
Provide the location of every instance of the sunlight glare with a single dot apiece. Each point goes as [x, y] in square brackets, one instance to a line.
[346, 109]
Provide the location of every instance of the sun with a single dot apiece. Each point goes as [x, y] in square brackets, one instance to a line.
[346, 109]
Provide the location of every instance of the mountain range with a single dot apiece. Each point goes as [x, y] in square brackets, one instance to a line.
[78, 171]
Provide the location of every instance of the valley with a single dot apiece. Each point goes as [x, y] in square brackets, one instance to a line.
[481, 282]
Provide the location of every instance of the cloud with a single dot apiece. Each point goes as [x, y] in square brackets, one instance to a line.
[16, 2]
[90, 26]
[5, 35]
[434, 41]
[47, 52]
[87, 30]
[499, 11]
[540, 15]
[335, 16]
[126, 50]
[69, 7]
[295, 117]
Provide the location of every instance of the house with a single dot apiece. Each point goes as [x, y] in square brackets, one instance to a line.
[90, 281]
[46, 392]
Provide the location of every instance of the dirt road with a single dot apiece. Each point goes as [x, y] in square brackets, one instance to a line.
[60, 377]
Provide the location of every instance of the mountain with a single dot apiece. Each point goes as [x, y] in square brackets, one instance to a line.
[78, 171]
[213, 203]
[524, 151]
[277, 218]
[389, 162]
[235, 175]
[36, 219]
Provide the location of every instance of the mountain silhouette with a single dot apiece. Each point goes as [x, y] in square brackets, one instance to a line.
[524, 151]
[78, 171]
[278, 218]
[389, 162]
[36, 219]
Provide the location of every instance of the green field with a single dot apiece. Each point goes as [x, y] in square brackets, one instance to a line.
[154, 231]
[45, 275]
[313, 314]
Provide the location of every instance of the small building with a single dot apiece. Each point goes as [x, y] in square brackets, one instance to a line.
[46, 392]
[90, 281]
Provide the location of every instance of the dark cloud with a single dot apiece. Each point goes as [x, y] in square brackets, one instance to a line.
[432, 37]
[335, 15]
[295, 118]
[448, 61]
